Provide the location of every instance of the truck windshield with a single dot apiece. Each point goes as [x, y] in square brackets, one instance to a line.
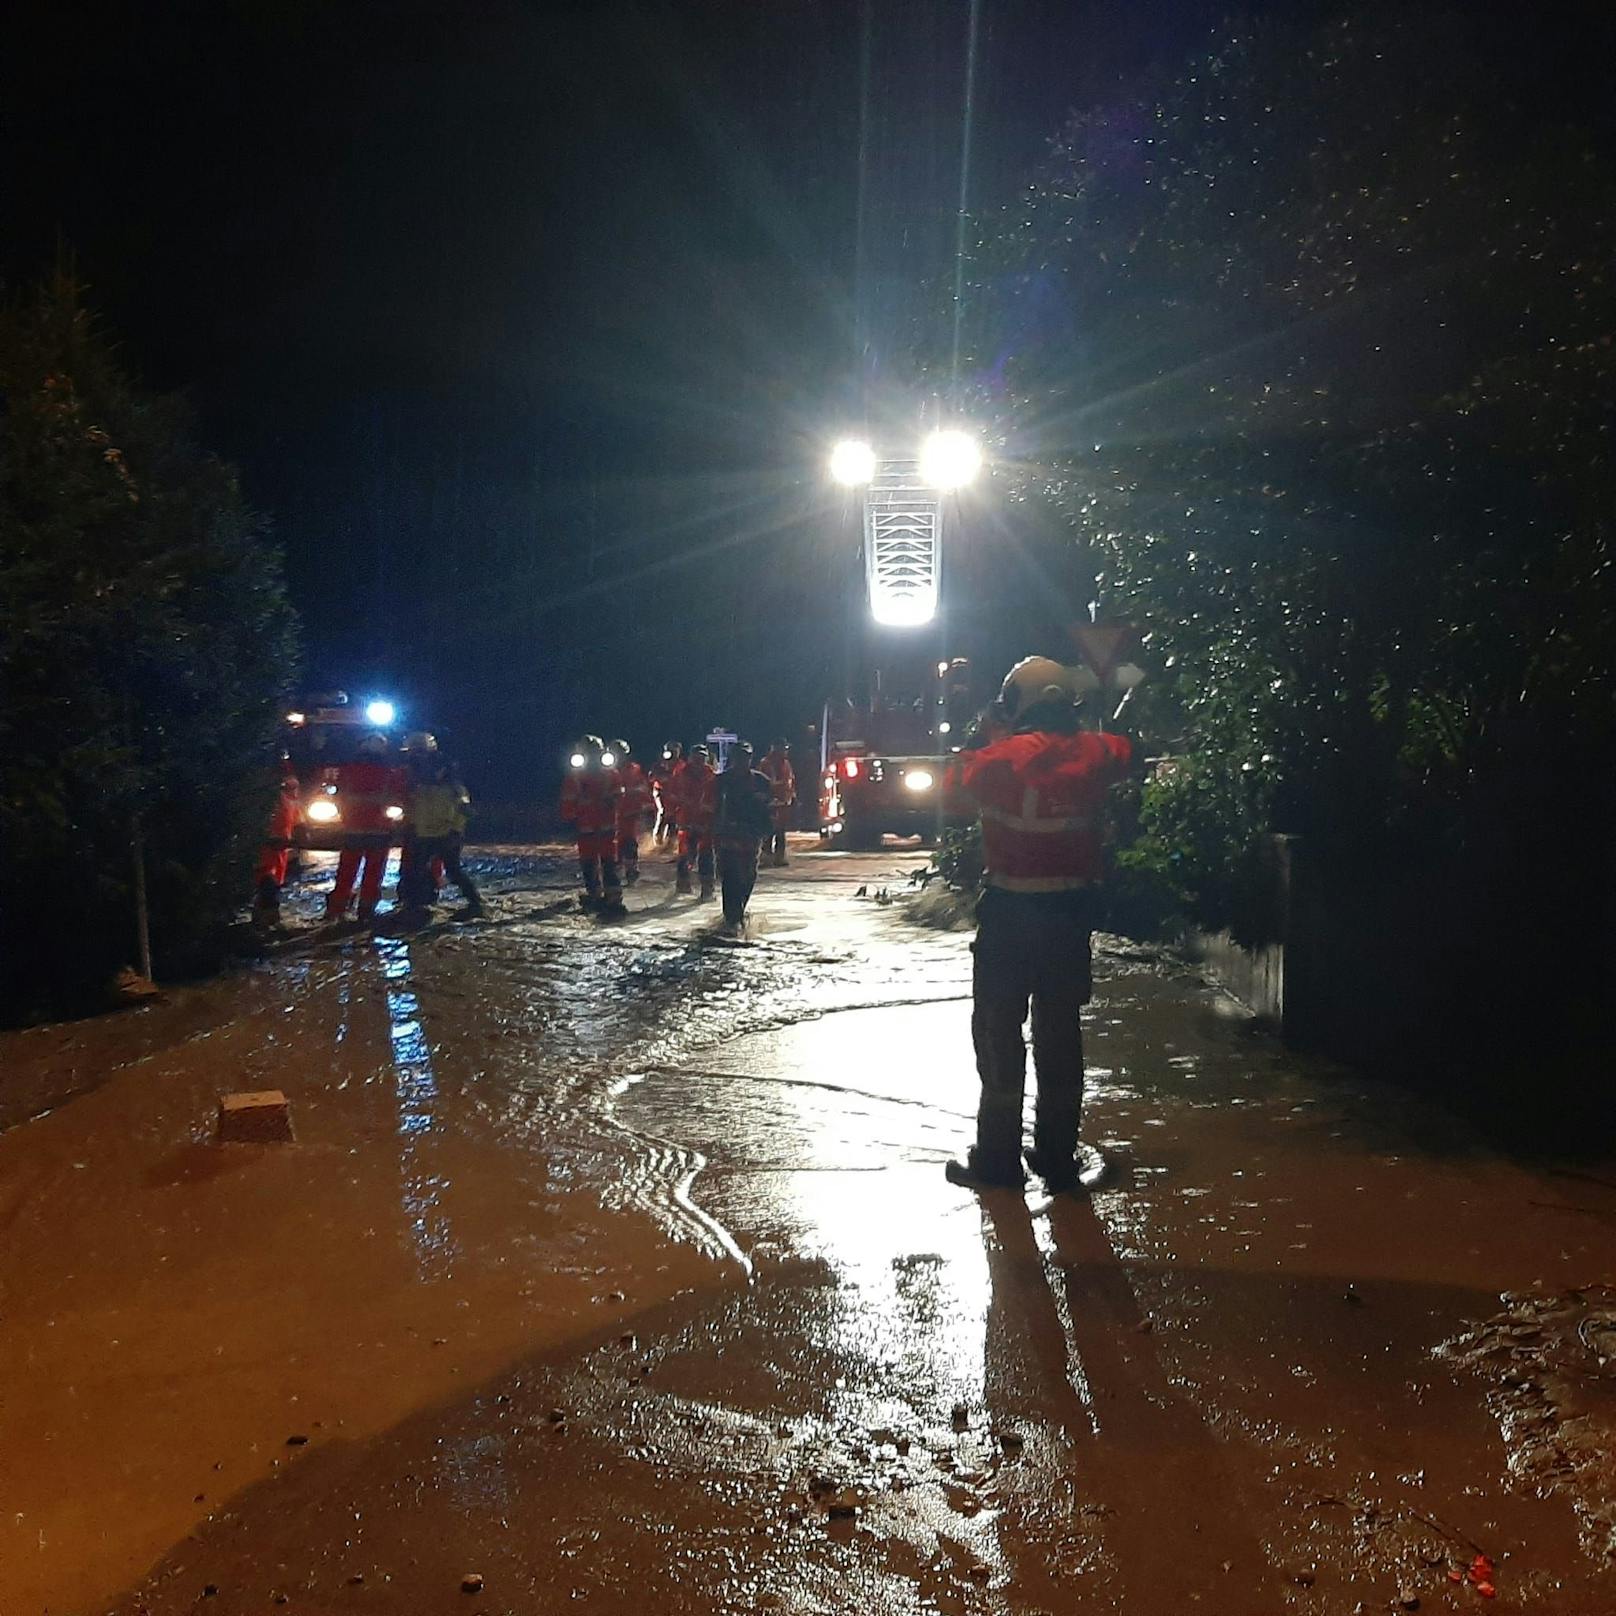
[319, 745]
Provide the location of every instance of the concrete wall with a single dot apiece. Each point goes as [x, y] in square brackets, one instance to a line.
[1257, 976]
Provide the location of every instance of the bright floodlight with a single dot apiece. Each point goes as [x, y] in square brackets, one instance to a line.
[852, 463]
[908, 610]
[381, 713]
[950, 459]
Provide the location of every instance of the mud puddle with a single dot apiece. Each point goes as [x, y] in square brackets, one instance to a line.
[625, 1258]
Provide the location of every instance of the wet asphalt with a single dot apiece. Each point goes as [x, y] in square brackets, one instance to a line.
[613, 1268]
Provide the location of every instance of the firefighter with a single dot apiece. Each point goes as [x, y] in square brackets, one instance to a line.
[589, 801]
[661, 776]
[694, 788]
[421, 759]
[1040, 790]
[782, 778]
[743, 817]
[635, 803]
[370, 793]
[276, 852]
[439, 809]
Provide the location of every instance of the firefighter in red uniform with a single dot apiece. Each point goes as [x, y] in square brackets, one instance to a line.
[589, 799]
[633, 807]
[782, 778]
[695, 796]
[370, 796]
[276, 852]
[1040, 791]
[661, 776]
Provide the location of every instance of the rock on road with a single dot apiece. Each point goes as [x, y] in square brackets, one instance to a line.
[612, 1268]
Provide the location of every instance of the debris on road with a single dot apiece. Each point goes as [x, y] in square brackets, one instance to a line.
[260, 1118]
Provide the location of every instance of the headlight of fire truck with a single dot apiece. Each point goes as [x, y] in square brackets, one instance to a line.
[394, 812]
[917, 780]
[323, 811]
[577, 760]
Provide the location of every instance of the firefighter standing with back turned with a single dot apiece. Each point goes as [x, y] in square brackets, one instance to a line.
[782, 778]
[1040, 791]
[371, 792]
[589, 801]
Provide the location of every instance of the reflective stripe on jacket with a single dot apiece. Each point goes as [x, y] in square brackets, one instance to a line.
[589, 800]
[1040, 796]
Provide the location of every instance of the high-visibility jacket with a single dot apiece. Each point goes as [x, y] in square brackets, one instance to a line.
[782, 778]
[439, 808]
[589, 799]
[636, 801]
[695, 788]
[366, 789]
[1041, 796]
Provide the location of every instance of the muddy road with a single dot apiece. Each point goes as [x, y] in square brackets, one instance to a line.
[613, 1269]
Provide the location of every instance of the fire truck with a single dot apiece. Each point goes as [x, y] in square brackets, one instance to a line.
[882, 760]
[319, 737]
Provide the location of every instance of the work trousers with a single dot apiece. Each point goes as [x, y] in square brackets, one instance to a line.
[628, 847]
[1030, 947]
[349, 861]
[737, 875]
[270, 877]
[696, 847]
[418, 877]
[597, 862]
[777, 842]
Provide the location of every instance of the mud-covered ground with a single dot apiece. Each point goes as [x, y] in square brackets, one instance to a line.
[613, 1269]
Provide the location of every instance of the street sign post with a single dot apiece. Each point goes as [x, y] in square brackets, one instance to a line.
[1107, 648]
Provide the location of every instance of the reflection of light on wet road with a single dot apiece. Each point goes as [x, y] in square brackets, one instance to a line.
[844, 1123]
[415, 1088]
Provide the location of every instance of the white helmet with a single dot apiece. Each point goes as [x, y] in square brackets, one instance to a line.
[1036, 680]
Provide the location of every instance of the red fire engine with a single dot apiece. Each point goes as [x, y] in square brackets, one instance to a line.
[883, 760]
[319, 738]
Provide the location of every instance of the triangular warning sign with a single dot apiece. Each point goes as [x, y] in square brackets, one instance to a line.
[1104, 645]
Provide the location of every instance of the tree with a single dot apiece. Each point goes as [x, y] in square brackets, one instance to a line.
[145, 647]
[1309, 345]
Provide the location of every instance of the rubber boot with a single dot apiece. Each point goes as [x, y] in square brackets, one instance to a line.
[682, 881]
[1060, 1176]
[977, 1172]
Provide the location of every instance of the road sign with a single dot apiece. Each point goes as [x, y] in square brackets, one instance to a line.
[1105, 647]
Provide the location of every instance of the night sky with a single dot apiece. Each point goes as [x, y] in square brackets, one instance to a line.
[525, 323]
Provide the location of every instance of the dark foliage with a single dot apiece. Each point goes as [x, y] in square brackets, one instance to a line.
[1309, 347]
[145, 641]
